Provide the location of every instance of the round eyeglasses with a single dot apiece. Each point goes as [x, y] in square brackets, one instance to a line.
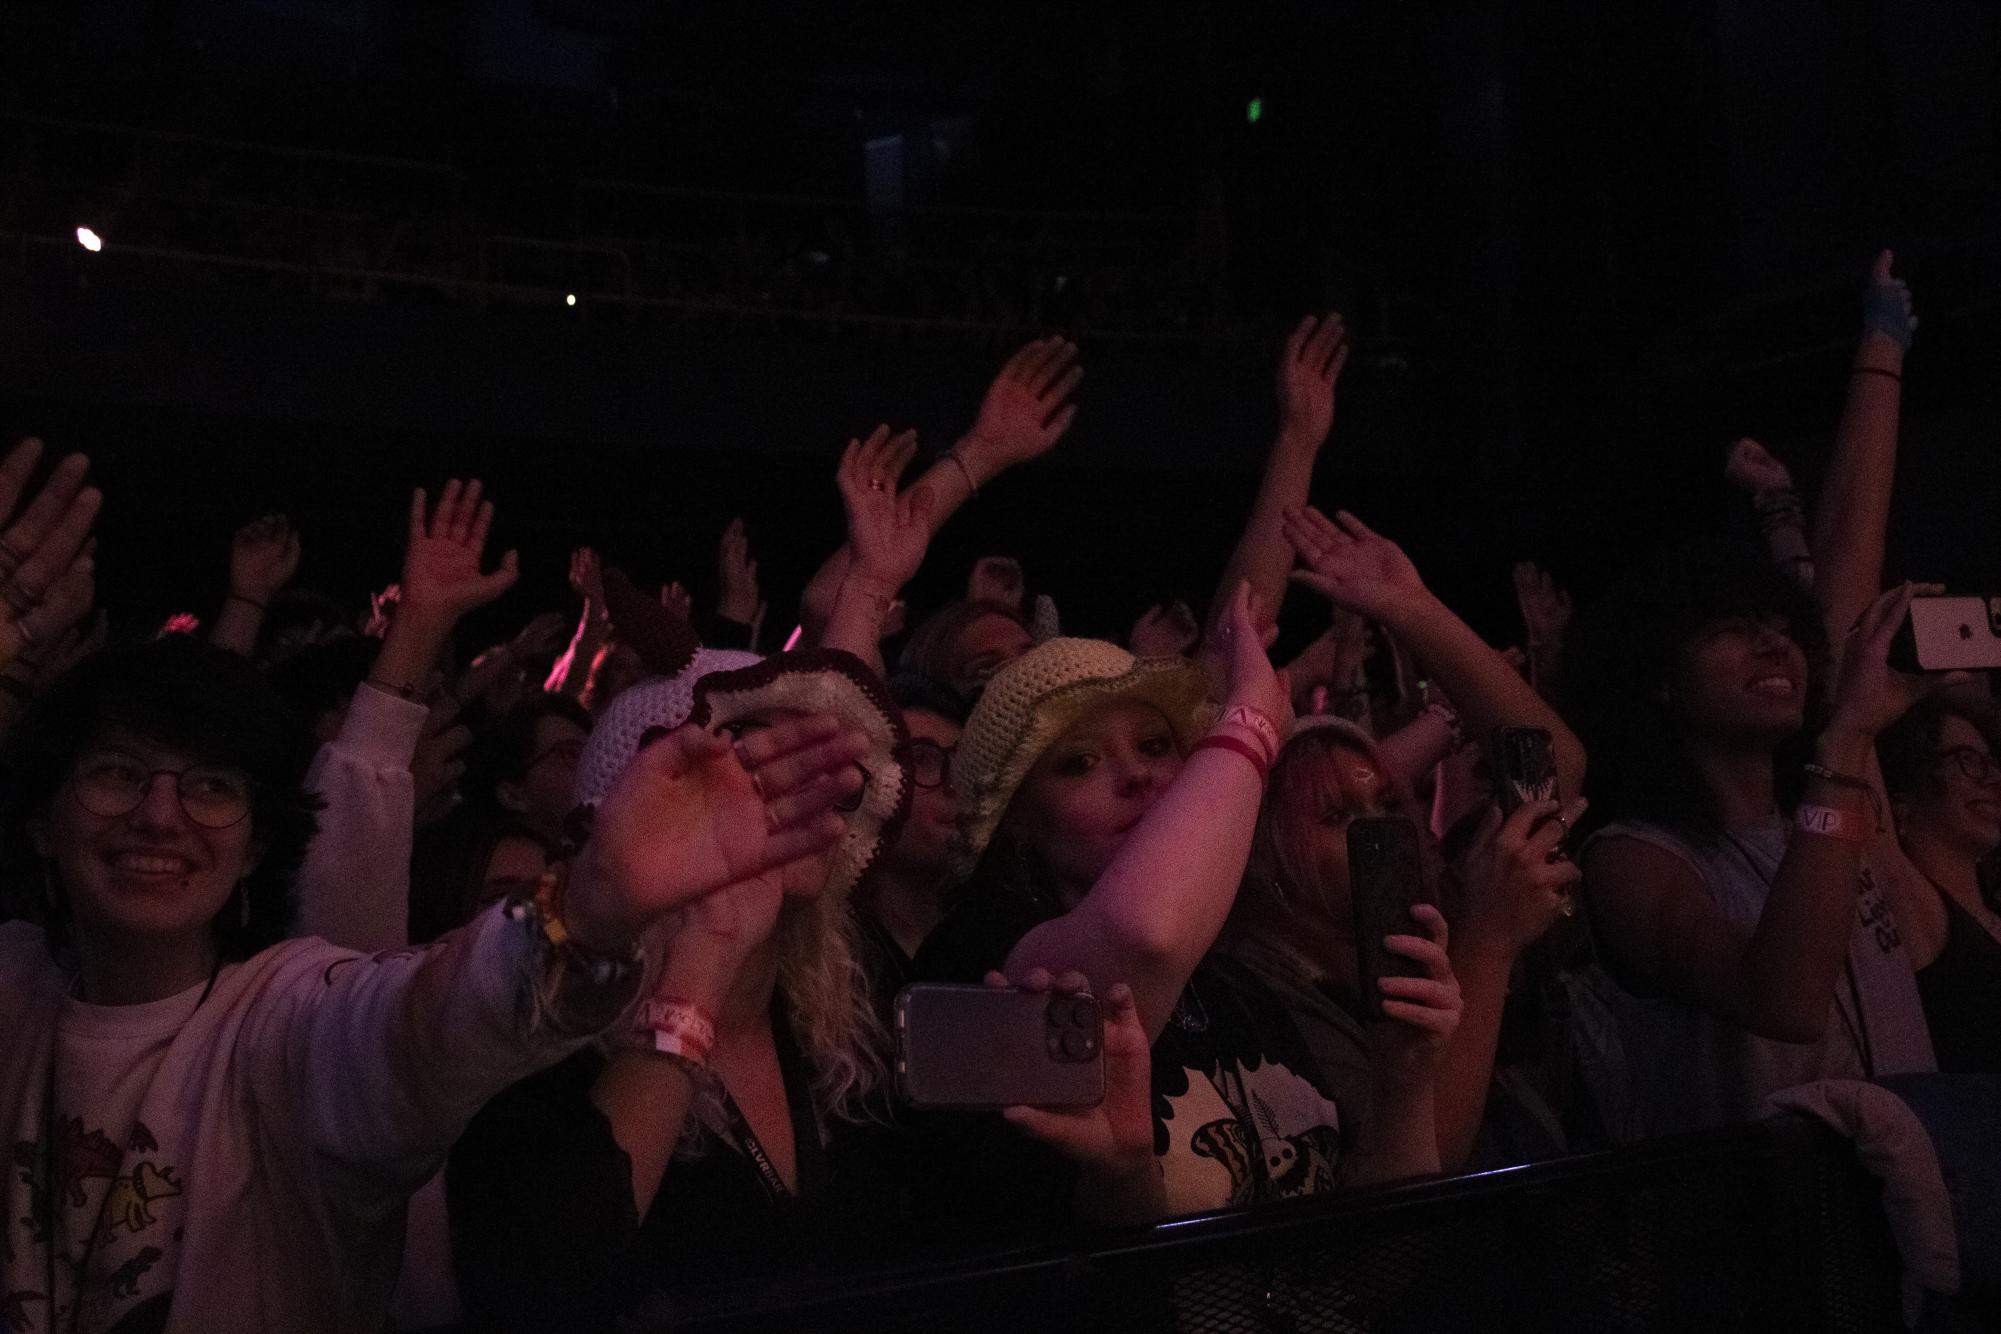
[930, 763]
[112, 783]
[1977, 765]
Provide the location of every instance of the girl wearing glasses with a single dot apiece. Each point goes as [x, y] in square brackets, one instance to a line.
[1945, 793]
[217, 1128]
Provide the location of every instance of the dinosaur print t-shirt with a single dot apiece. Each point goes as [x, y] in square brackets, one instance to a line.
[1241, 1113]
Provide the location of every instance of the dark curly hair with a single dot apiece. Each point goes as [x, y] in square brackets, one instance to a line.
[211, 705]
[1621, 658]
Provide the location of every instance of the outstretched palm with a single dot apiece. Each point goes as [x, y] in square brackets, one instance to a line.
[441, 565]
[1351, 565]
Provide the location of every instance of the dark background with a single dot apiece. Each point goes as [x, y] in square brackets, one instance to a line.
[1583, 248]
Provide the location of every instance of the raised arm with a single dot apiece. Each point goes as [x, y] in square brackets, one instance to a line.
[739, 607]
[1546, 611]
[47, 572]
[262, 560]
[1751, 468]
[1854, 510]
[1157, 908]
[888, 534]
[354, 888]
[1368, 574]
[1658, 925]
[1308, 370]
[572, 671]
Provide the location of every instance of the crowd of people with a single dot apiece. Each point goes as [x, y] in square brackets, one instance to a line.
[354, 980]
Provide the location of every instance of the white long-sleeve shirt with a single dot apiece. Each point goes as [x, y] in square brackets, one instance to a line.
[354, 886]
[241, 1162]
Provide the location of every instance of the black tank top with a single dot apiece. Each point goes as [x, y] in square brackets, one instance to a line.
[1962, 995]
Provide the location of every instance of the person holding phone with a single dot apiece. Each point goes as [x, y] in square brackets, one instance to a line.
[1106, 812]
[1737, 893]
[1504, 893]
[1944, 780]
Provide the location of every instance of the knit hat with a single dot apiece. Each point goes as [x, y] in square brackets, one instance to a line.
[832, 682]
[1036, 698]
[659, 701]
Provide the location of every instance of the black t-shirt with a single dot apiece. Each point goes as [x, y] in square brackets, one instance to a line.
[1241, 1113]
[543, 1228]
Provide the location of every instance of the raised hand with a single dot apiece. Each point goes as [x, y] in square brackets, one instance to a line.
[675, 597]
[1750, 467]
[1517, 880]
[1546, 609]
[441, 565]
[1027, 408]
[1353, 566]
[1164, 632]
[587, 582]
[693, 813]
[262, 559]
[1886, 303]
[1239, 657]
[1114, 1138]
[1307, 372]
[739, 599]
[1870, 694]
[888, 533]
[997, 579]
[47, 569]
[1423, 1012]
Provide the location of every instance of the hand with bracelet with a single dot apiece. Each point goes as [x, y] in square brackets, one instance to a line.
[47, 565]
[1257, 701]
[442, 582]
[888, 534]
[1027, 409]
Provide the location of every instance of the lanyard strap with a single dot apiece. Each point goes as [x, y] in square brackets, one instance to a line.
[809, 1155]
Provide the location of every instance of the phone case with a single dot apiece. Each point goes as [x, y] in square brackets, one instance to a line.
[1949, 634]
[986, 1048]
[1524, 762]
[1385, 879]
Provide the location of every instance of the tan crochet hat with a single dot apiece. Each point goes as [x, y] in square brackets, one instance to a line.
[837, 683]
[1036, 698]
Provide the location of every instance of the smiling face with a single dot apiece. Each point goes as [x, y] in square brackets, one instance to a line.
[541, 794]
[1090, 787]
[152, 874]
[1741, 680]
[927, 844]
[1959, 805]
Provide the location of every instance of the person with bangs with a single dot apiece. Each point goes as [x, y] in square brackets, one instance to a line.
[1407, 1107]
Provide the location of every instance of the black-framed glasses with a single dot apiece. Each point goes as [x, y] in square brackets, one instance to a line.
[1977, 765]
[930, 763]
[112, 783]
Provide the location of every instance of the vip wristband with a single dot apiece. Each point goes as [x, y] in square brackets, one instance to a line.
[677, 1029]
[1831, 822]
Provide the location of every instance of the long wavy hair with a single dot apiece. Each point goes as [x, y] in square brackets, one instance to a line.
[827, 993]
[1620, 664]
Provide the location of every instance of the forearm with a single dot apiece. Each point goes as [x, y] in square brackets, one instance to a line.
[1263, 557]
[573, 669]
[860, 610]
[1132, 1199]
[1480, 683]
[1157, 909]
[1400, 1138]
[354, 886]
[410, 650]
[1416, 748]
[1787, 973]
[1466, 1066]
[237, 625]
[1854, 509]
[1782, 520]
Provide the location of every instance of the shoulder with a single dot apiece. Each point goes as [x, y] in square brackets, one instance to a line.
[26, 965]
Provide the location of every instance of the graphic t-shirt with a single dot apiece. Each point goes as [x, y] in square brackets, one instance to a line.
[240, 1159]
[1241, 1114]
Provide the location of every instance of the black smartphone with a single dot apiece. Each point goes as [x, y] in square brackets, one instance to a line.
[983, 1048]
[1524, 762]
[1385, 879]
[1947, 634]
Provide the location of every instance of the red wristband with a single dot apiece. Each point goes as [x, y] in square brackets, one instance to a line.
[1218, 741]
[678, 1029]
[1260, 724]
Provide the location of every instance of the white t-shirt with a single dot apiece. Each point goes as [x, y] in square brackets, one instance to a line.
[241, 1161]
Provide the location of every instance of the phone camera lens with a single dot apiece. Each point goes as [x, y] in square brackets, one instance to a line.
[1084, 1013]
[1077, 1044]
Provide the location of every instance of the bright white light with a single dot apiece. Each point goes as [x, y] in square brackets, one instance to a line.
[570, 299]
[89, 240]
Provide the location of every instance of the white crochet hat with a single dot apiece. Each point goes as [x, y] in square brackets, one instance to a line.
[659, 701]
[828, 681]
[1036, 698]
